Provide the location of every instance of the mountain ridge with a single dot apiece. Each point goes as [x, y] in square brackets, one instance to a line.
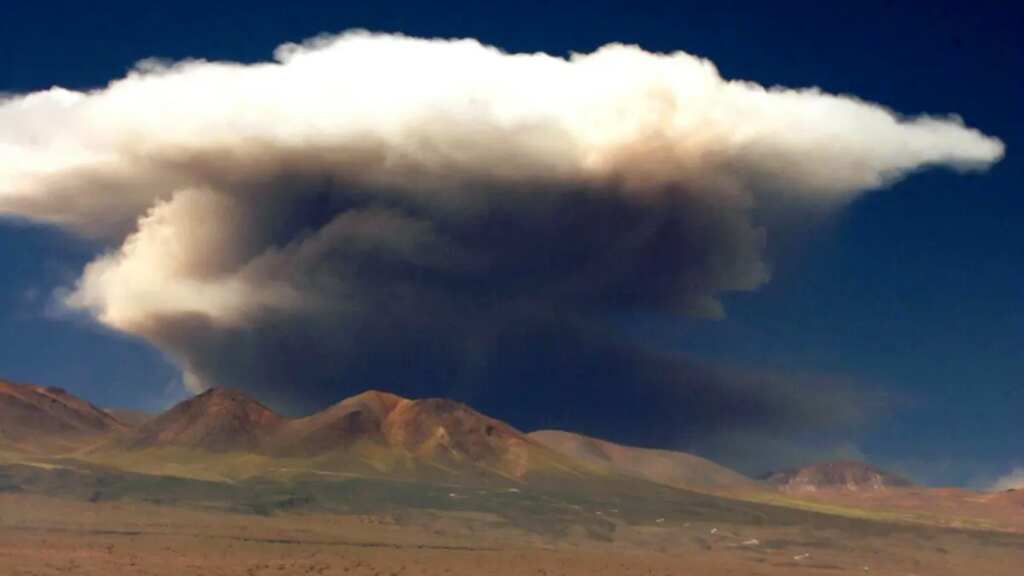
[225, 438]
[667, 467]
[844, 475]
[219, 419]
[377, 432]
[373, 430]
[32, 416]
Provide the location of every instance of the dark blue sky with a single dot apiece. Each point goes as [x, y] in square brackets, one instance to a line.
[915, 290]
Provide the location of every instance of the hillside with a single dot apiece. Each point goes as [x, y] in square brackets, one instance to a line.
[355, 419]
[216, 420]
[662, 466]
[37, 417]
[373, 432]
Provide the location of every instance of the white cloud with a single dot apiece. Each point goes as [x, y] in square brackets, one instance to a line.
[448, 110]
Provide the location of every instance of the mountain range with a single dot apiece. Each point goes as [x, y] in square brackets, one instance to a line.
[224, 433]
[226, 436]
[371, 432]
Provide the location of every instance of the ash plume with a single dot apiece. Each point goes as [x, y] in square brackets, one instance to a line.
[440, 217]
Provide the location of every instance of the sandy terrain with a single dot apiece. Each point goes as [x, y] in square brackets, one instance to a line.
[43, 535]
[945, 506]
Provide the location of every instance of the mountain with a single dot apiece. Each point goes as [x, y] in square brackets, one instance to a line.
[217, 420]
[677, 469]
[864, 489]
[438, 433]
[453, 434]
[373, 432]
[355, 419]
[842, 475]
[34, 417]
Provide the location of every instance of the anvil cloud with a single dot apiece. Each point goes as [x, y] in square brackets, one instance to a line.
[434, 215]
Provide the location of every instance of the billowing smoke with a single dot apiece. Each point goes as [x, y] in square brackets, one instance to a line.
[442, 217]
[1012, 481]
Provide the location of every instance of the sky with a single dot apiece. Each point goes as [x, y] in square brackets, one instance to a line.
[798, 274]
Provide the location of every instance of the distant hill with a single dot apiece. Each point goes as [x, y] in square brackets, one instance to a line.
[662, 466]
[846, 475]
[33, 416]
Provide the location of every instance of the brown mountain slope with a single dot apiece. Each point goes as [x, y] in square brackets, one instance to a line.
[34, 417]
[662, 466]
[216, 420]
[452, 434]
[359, 418]
[845, 475]
[436, 432]
[371, 432]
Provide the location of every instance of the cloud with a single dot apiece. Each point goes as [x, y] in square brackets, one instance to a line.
[1012, 481]
[441, 217]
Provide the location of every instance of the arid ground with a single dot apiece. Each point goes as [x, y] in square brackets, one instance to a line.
[41, 535]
